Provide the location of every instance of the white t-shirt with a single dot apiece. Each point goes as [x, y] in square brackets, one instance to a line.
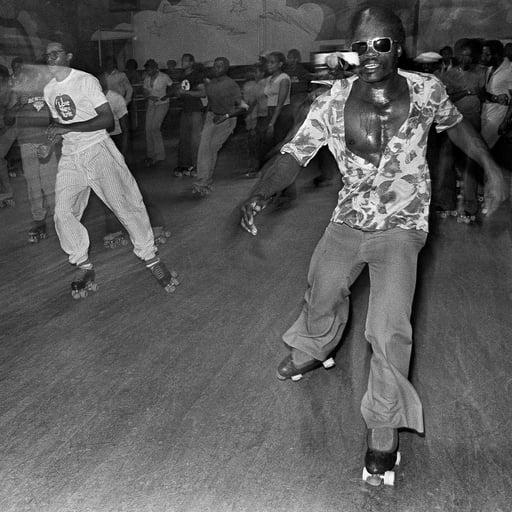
[159, 86]
[118, 107]
[73, 100]
[272, 89]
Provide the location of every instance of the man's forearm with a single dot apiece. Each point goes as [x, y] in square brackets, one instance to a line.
[91, 125]
[278, 173]
[466, 138]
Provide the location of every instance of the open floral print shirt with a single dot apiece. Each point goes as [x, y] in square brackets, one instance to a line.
[397, 192]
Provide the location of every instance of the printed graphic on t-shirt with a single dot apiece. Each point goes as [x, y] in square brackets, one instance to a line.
[185, 85]
[65, 107]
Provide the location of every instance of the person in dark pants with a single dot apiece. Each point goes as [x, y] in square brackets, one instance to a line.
[191, 90]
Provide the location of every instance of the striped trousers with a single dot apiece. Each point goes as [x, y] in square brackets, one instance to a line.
[101, 168]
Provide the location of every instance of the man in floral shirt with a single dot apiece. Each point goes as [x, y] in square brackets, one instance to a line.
[376, 125]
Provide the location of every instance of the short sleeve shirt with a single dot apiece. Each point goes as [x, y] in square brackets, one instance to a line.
[158, 86]
[223, 95]
[118, 81]
[397, 192]
[73, 100]
[119, 110]
[272, 87]
[192, 82]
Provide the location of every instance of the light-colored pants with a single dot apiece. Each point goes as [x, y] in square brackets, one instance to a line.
[6, 141]
[213, 136]
[101, 168]
[339, 258]
[40, 176]
[155, 115]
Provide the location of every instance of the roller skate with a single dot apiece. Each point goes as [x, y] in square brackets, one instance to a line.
[83, 282]
[37, 233]
[201, 192]
[178, 171]
[190, 171]
[288, 369]
[7, 202]
[382, 456]
[114, 240]
[466, 218]
[161, 235]
[167, 280]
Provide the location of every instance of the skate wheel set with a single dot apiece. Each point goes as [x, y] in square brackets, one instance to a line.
[386, 478]
[35, 237]
[115, 241]
[7, 203]
[161, 237]
[81, 293]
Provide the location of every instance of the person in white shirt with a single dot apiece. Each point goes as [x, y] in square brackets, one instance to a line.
[498, 91]
[156, 90]
[90, 160]
[117, 81]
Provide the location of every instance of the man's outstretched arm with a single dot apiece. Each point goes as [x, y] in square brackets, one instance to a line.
[465, 137]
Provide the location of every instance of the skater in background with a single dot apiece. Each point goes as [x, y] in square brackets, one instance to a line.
[498, 92]
[379, 140]
[90, 160]
[117, 81]
[157, 90]
[225, 104]
[465, 85]
[32, 118]
[191, 91]
[253, 93]
[7, 137]
[115, 236]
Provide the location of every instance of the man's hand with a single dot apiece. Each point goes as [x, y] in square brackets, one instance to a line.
[495, 190]
[250, 209]
[55, 131]
[217, 119]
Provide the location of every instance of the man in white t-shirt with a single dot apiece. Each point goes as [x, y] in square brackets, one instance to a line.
[498, 91]
[90, 160]
[156, 90]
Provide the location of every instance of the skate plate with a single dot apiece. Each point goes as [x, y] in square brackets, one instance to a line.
[7, 203]
[386, 478]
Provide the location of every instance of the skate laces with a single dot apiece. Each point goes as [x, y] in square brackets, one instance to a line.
[156, 268]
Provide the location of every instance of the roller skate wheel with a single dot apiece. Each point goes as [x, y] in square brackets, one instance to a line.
[174, 281]
[124, 242]
[389, 478]
[93, 287]
[373, 480]
[329, 363]
[296, 378]
[170, 288]
[174, 274]
[161, 240]
[484, 211]
[83, 294]
[75, 294]
[167, 234]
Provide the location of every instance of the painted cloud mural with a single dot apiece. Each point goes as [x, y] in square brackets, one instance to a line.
[231, 28]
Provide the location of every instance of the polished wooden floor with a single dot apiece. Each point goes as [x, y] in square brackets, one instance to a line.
[134, 401]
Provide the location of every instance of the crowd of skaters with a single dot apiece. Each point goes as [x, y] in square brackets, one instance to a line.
[271, 100]
[82, 130]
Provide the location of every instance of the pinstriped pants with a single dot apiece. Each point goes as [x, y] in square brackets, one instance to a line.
[101, 168]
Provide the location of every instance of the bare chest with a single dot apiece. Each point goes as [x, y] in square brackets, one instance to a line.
[371, 123]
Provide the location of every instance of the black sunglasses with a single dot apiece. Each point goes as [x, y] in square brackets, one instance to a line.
[379, 44]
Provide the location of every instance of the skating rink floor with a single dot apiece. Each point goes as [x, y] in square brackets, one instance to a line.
[135, 401]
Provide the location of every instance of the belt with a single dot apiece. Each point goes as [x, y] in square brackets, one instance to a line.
[494, 98]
